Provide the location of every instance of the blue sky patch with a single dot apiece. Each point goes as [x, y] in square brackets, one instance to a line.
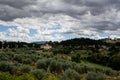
[32, 32]
[5, 28]
[105, 34]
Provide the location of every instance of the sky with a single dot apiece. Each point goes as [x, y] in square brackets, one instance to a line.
[57, 20]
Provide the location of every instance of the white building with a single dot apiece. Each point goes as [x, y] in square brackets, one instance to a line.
[46, 46]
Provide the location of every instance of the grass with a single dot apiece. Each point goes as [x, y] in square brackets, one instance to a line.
[95, 65]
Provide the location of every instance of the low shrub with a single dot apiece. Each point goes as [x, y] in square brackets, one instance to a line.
[5, 66]
[39, 73]
[95, 76]
[71, 74]
[25, 69]
[7, 76]
[55, 66]
[26, 77]
[51, 77]
[27, 61]
[42, 64]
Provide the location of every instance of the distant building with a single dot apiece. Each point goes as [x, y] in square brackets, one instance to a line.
[46, 46]
[26, 46]
[109, 40]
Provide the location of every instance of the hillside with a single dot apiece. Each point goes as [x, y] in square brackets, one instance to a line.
[75, 59]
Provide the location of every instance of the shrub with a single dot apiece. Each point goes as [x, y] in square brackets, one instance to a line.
[25, 69]
[108, 72]
[66, 65]
[114, 62]
[5, 66]
[79, 68]
[4, 56]
[18, 58]
[51, 77]
[26, 77]
[42, 64]
[71, 74]
[95, 76]
[39, 73]
[7, 76]
[56, 66]
[65, 50]
[14, 70]
[27, 61]
[76, 58]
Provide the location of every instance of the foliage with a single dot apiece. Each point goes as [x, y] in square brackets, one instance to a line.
[75, 59]
[95, 76]
[42, 63]
[7, 76]
[115, 61]
[55, 66]
[39, 73]
[26, 77]
[51, 77]
[5, 66]
[71, 74]
[65, 50]
[25, 69]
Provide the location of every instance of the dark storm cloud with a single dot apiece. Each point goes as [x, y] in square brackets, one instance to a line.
[96, 7]
[12, 9]
[105, 25]
[17, 3]
[72, 8]
[8, 13]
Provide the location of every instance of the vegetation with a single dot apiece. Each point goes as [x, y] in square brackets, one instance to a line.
[75, 59]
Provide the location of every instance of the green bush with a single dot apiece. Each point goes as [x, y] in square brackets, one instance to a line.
[95, 76]
[65, 50]
[51, 77]
[42, 64]
[25, 69]
[5, 66]
[7, 76]
[18, 58]
[76, 58]
[66, 65]
[4, 56]
[56, 66]
[14, 70]
[71, 74]
[114, 62]
[79, 68]
[39, 73]
[27, 61]
[26, 77]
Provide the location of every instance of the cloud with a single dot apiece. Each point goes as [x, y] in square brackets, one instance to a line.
[24, 35]
[86, 18]
[17, 3]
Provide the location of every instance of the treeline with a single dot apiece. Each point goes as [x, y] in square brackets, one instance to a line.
[5, 44]
[82, 41]
[70, 42]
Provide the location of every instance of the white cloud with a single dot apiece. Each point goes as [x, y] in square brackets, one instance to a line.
[54, 20]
